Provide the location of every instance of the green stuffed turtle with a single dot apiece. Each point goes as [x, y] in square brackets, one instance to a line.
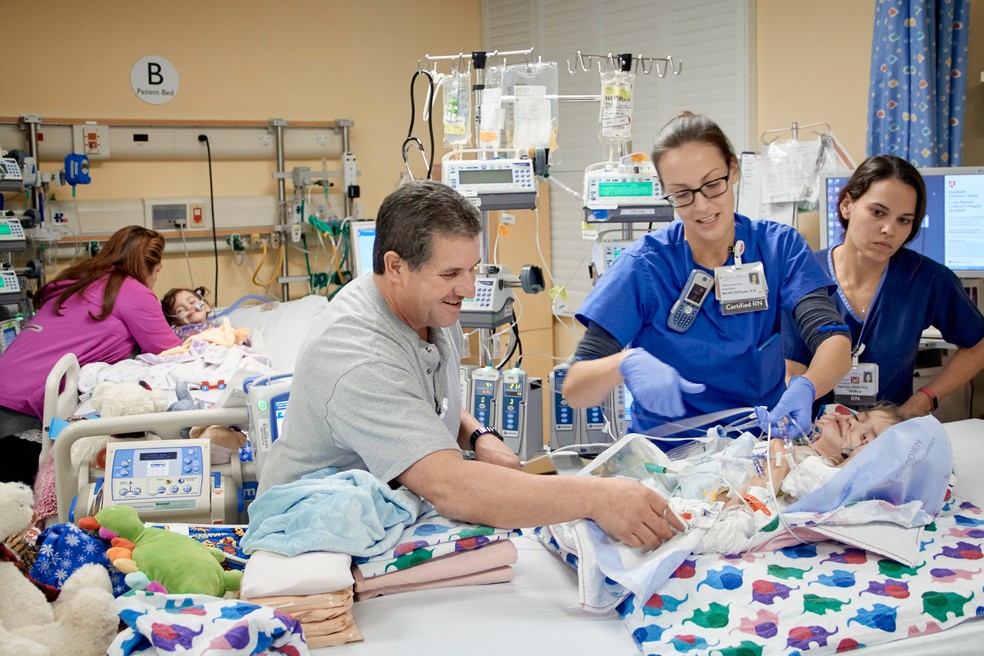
[178, 563]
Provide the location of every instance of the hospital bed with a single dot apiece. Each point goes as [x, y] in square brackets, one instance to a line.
[537, 612]
[276, 329]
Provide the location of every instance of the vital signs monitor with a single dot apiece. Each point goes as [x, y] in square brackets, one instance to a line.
[363, 237]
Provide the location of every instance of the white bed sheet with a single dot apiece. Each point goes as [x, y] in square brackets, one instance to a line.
[537, 612]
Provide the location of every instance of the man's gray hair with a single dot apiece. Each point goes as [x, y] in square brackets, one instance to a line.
[411, 216]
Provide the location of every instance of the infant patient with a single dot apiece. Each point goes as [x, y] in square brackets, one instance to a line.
[730, 493]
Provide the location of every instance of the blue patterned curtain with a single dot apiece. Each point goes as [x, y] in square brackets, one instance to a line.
[919, 80]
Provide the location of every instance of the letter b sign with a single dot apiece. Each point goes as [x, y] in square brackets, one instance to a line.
[154, 79]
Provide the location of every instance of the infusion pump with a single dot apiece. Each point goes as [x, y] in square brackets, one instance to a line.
[630, 181]
[471, 177]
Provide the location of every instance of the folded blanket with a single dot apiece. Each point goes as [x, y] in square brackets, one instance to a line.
[461, 563]
[350, 512]
[497, 575]
[269, 573]
[431, 536]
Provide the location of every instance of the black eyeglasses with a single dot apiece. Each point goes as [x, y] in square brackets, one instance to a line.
[711, 189]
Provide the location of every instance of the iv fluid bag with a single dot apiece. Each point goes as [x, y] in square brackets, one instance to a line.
[616, 107]
[457, 110]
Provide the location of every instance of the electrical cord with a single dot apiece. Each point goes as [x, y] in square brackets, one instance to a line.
[203, 138]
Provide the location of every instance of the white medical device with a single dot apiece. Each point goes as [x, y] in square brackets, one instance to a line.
[564, 424]
[617, 407]
[266, 401]
[626, 191]
[473, 177]
[604, 253]
[162, 478]
[12, 239]
[596, 425]
[465, 385]
[11, 176]
[10, 289]
[484, 383]
[521, 413]
[492, 304]
[8, 331]
[685, 309]
[362, 238]
[507, 182]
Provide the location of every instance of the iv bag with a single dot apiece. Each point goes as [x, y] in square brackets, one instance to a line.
[531, 119]
[457, 109]
[616, 107]
[492, 116]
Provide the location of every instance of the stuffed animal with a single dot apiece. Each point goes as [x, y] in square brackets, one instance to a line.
[172, 563]
[225, 442]
[115, 400]
[80, 622]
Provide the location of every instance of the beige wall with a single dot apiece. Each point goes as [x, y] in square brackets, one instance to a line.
[813, 66]
[301, 60]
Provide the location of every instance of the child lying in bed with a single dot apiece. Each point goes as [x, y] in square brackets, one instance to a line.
[747, 480]
[187, 311]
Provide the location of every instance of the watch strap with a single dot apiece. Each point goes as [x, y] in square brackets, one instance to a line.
[478, 432]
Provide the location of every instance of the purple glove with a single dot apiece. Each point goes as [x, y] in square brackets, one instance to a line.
[657, 386]
[796, 405]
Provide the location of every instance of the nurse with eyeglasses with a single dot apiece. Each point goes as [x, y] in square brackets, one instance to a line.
[689, 317]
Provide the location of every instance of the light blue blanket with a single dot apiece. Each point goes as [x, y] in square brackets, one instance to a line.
[350, 512]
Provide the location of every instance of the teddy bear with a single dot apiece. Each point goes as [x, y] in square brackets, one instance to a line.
[114, 400]
[81, 621]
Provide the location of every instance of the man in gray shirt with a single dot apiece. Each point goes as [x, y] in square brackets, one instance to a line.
[376, 388]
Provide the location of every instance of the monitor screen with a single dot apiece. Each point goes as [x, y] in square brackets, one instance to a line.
[363, 237]
[952, 232]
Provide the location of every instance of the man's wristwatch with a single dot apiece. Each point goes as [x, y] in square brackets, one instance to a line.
[478, 432]
[932, 396]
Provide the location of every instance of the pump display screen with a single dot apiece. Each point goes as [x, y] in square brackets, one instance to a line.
[624, 189]
[5, 229]
[279, 412]
[487, 176]
[512, 389]
[157, 463]
[485, 387]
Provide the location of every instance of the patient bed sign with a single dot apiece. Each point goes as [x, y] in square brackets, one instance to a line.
[163, 477]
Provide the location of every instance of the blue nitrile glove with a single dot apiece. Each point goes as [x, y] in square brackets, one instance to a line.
[657, 386]
[796, 405]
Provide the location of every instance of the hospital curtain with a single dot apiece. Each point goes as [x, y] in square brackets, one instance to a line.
[918, 85]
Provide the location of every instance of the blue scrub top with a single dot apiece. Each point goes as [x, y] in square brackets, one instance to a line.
[732, 355]
[916, 293]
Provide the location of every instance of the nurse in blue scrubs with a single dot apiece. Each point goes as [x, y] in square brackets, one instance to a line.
[727, 353]
[889, 294]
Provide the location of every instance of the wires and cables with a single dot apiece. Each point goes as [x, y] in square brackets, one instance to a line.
[203, 138]
[411, 140]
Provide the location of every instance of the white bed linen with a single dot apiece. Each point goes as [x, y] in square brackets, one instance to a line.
[537, 612]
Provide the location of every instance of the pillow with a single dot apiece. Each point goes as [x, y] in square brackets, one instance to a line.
[278, 329]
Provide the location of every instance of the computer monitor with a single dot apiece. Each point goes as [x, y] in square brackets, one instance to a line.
[952, 231]
[363, 236]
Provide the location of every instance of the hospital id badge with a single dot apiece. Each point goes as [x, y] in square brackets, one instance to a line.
[859, 387]
[741, 288]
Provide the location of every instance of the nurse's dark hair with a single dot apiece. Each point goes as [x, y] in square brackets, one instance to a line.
[411, 216]
[885, 167]
[169, 299]
[131, 252]
[687, 127]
